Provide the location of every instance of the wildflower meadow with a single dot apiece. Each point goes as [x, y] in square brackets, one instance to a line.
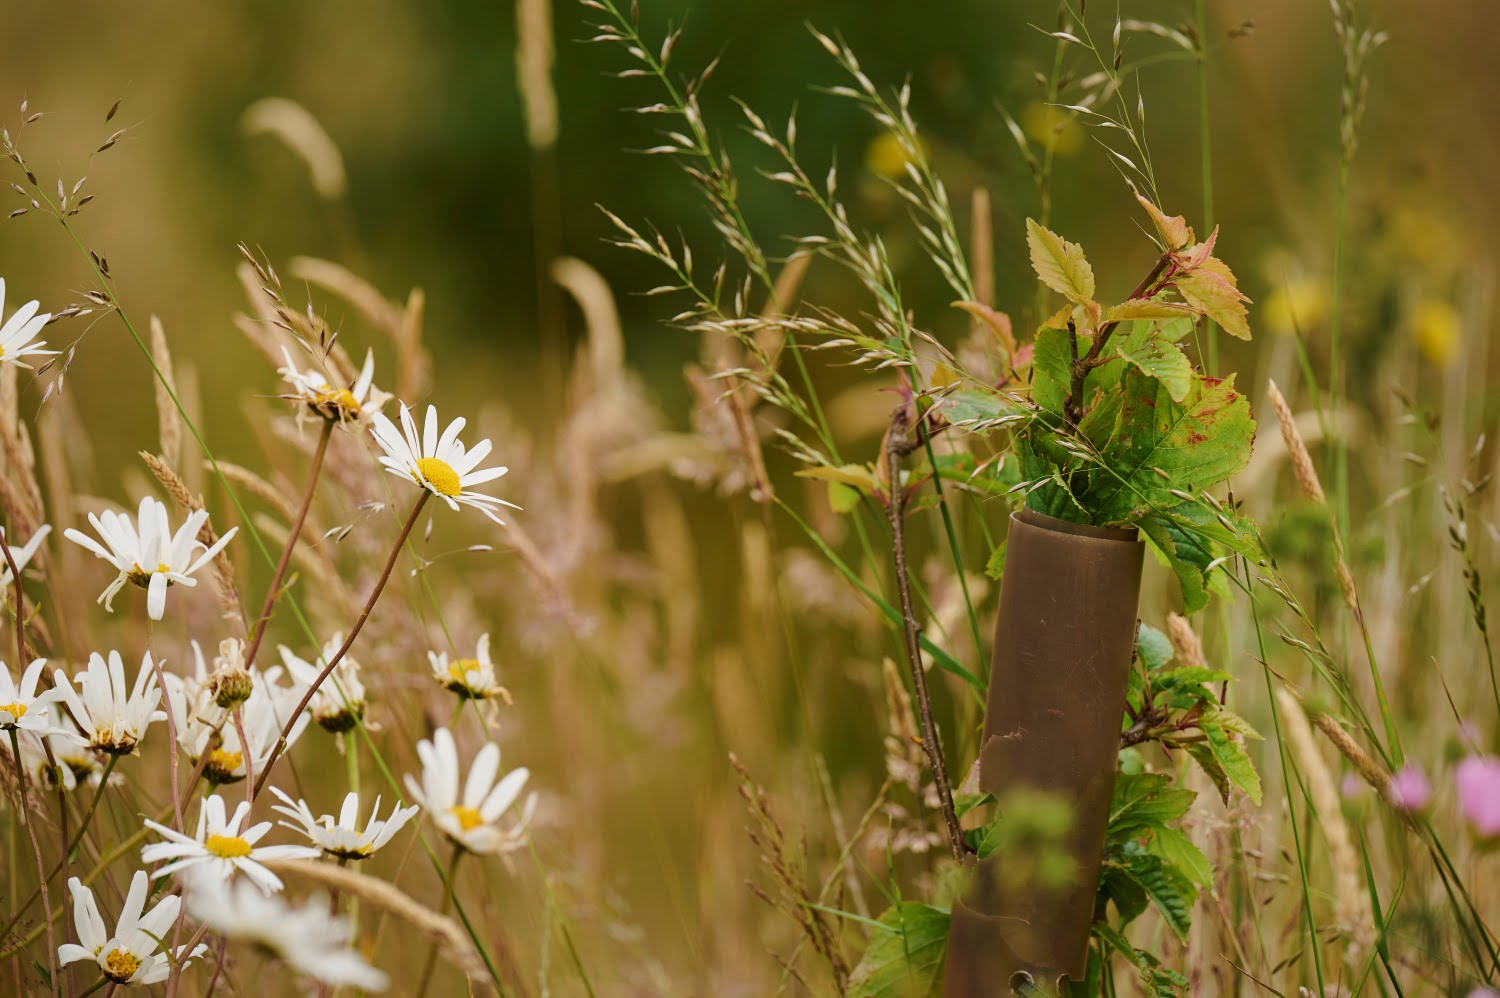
[600, 498]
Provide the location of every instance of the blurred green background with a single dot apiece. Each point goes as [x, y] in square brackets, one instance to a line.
[423, 102]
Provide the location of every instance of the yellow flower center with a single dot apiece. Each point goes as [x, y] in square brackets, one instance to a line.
[223, 766]
[440, 475]
[121, 965]
[340, 400]
[460, 668]
[227, 846]
[142, 577]
[15, 710]
[468, 817]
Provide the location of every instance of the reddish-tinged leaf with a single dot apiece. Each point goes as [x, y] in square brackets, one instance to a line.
[1174, 229]
[1206, 290]
[997, 322]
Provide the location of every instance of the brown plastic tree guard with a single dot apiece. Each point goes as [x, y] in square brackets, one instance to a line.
[1063, 647]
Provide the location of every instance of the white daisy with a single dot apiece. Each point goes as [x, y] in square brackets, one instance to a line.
[342, 838]
[470, 820]
[22, 708]
[339, 703]
[152, 557]
[354, 404]
[19, 332]
[471, 678]
[440, 464]
[220, 848]
[307, 939]
[112, 718]
[204, 726]
[22, 555]
[130, 956]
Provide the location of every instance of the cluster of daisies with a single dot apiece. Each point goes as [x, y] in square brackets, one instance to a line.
[230, 719]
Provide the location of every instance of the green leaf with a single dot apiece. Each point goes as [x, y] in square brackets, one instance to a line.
[1154, 647]
[1190, 574]
[842, 498]
[1177, 850]
[994, 566]
[1204, 757]
[1216, 298]
[1148, 308]
[1157, 357]
[1051, 369]
[1232, 758]
[1166, 886]
[1145, 800]
[905, 955]
[1162, 448]
[1060, 264]
[1129, 897]
[976, 405]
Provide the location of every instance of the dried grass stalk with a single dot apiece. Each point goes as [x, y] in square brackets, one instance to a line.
[168, 419]
[534, 56]
[452, 941]
[1186, 644]
[222, 579]
[302, 133]
[1351, 906]
[1296, 448]
[780, 859]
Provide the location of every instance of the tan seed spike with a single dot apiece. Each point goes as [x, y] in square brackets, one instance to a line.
[1296, 448]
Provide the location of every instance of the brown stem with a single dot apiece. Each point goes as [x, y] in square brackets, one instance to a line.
[239, 729]
[338, 656]
[897, 446]
[15, 584]
[166, 701]
[36, 849]
[286, 553]
[1073, 407]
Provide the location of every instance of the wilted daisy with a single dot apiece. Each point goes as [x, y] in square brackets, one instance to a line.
[354, 404]
[22, 708]
[307, 939]
[438, 463]
[471, 678]
[132, 955]
[470, 820]
[203, 725]
[18, 336]
[22, 555]
[339, 703]
[112, 717]
[149, 554]
[342, 838]
[220, 848]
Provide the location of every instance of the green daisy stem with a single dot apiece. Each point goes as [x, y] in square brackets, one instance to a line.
[338, 656]
[450, 883]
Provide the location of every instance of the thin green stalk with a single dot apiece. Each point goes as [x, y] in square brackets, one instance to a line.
[1206, 152]
[1287, 768]
[36, 849]
[450, 889]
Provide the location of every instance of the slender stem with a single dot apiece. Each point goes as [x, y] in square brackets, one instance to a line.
[338, 656]
[1073, 406]
[36, 849]
[274, 590]
[1206, 152]
[15, 585]
[452, 887]
[896, 446]
[171, 741]
[95, 987]
[239, 728]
